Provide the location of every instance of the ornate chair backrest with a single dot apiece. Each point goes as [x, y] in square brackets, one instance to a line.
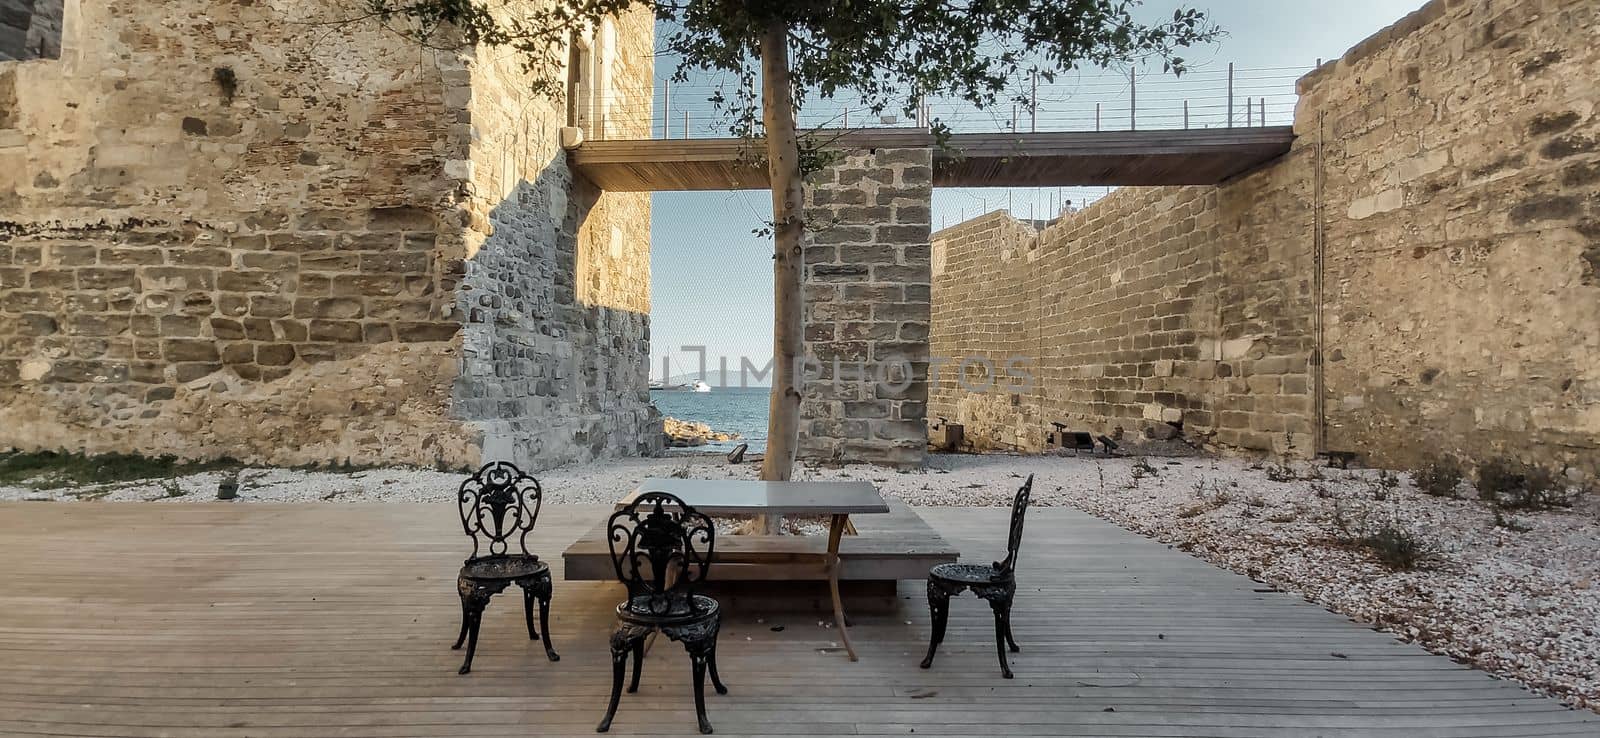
[499, 503]
[1019, 511]
[661, 549]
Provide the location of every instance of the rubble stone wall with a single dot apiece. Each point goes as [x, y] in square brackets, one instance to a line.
[867, 291]
[1459, 306]
[223, 237]
[556, 294]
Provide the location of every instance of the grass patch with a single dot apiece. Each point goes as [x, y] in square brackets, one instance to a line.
[49, 469]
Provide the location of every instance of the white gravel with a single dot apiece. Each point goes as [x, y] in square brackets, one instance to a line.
[1521, 604]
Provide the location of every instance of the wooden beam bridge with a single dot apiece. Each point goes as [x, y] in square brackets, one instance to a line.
[1108, 158]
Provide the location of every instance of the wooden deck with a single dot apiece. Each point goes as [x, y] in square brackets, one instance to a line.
[1112, 158]
[898, 545]
[224, 621]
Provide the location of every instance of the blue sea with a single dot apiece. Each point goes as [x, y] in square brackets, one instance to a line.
[741, 410]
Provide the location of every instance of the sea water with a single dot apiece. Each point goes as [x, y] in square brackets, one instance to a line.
[741, 410]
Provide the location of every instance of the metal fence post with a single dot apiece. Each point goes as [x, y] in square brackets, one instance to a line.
[1230, 94]
[1133, 101]
[1033, 98]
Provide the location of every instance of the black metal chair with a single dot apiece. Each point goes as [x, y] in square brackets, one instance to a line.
[661, 549]
[995, 582]
[498, 503]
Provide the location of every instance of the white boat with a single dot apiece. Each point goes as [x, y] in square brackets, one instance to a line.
[698, 385]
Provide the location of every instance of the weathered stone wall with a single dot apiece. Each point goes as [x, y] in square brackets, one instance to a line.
[1463, 228]
[557, 287]
[1111, 318]
[222, 238]
[867, 293]
[30, 29]
[1458, 297]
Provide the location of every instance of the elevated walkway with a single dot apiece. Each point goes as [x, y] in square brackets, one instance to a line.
[1108, 158]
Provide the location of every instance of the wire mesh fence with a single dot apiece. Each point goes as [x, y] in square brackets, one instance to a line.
[1103, 100]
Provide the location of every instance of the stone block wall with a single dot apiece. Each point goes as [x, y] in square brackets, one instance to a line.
[1462, 151]
[867, 292]
[1108, 318]
[219, 238]
[1458, 309]
[556, 295]
[30, 29]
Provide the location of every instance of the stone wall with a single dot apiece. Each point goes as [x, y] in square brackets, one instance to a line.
[1463, 229]
[30, 29]
[1108, 318]
[223, 238]
[867, 290]
[1456, 294]
[556, 294]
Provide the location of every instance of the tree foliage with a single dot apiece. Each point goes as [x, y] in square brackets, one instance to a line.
[888, 54]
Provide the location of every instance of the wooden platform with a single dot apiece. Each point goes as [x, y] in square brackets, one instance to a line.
[268, 621]
[898, 545]
[1111, 158]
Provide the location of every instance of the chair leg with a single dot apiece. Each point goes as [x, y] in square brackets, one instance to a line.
[465, 617]
[698, 664]
[1000, 614]
[620, 646]
[638, 665]
[527, 612]
[700, 640]
[716, 681]
[1010, 640]
[474, 623]
[544, 593]
[939, 607]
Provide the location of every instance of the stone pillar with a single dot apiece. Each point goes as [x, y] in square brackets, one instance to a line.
[867, 293]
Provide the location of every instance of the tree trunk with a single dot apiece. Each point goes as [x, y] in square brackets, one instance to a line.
[788, 261]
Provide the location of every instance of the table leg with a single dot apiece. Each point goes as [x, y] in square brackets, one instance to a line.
[835, 532]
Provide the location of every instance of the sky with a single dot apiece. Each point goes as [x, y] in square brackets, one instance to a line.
[711, 276]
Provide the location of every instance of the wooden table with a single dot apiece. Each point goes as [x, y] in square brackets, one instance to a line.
[838, 500]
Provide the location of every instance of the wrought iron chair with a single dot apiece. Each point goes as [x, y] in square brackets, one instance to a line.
[498, 504]
[661, 549]
[995, 582]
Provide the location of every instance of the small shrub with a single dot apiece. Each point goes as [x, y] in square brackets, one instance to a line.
[1438, 479]
[1502, 520]
[1388, 480]
[1397, 548]
[1511, 485]
[1142, 469]
[1282, 473]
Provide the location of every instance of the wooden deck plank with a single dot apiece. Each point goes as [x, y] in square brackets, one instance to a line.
[219, 621]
